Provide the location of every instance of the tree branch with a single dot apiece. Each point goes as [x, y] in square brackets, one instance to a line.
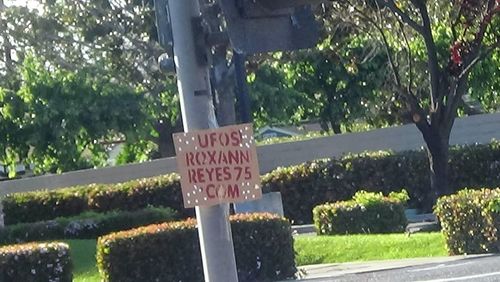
[418, 114]
[477, 59]
[459, 88]
[490, 12]
[399, 13]
[409, 57]
[432, 59]
[411, 101]
[479, 36]
[394, 68]
[455, 22]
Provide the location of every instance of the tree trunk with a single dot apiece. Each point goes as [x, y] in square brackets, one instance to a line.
[335, 127]
[438, 154]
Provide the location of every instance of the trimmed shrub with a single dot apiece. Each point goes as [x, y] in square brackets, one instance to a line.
[89, 225]
[302, 187]
[170, 252]
[263, 246]
[44, 205]
[310, 184]
[365, 213]
[494, 211]
[36, 262]
[469, 221]
[162, 191]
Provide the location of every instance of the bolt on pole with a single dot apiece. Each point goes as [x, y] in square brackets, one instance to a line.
[219, 264]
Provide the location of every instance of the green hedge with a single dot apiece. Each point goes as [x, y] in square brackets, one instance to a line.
[35, 262]
[310, 184]
[302, 187]
[470, 220]
[365, 213]
[162, 191]
[170, 252]
[88, 225]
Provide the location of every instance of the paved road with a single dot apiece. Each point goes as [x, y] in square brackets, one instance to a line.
[476, 269]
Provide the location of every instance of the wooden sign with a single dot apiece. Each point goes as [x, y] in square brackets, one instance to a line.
[218, 165]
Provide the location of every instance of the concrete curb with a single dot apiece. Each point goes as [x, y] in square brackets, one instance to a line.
[320, 272]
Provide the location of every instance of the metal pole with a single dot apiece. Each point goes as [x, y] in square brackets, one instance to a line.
[219, 264]
[242, 87]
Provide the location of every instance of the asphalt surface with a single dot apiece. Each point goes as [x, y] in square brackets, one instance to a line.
[476, 269]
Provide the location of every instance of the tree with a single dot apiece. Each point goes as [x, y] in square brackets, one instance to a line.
[485, 82]
[113, 40]
[341, 80]
[429, 93]
[272, 101]
[339, 83]
[60, 120]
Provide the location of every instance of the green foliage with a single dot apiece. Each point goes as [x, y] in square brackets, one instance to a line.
[401, 196]
[302, 187]
[430, 61]
[307, 185]
[45, 205]
[485, 82]
[336, 85]
[88, 225]
[365, 213]
[494, 205]
[454, 27]
[36, 262]
[170, 252]
[162, 191]
[339, 80]
[140, 151]
[112, 50]
[156, 191]
[367, 198]
[470, 221]
[61, 120]
[273, 102]
[366, 247]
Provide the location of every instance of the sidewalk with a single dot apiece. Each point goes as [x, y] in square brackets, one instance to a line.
[328, 272]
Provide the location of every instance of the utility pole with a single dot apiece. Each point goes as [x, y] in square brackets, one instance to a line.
[219, 264]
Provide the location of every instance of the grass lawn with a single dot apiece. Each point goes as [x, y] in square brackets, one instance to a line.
[334, 249]
[310, 250]
[83, 255]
